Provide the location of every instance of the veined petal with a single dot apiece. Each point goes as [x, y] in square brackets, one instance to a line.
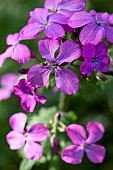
[52, 5]
[69, 51]
[28, 102]
[89, 51]
[92, 33]
[95, 153]
[72, 154]
[54, 31]
[33, 150]
[76, 133]
[37, 133]
[66, 81]
[47, 48]
[101, 49]
[58, 18]
[87, 68]
[4, 94]
[109, 33]
[39, 98]
[21, 54]
[79, 19]
[12, 39]
[7, 54]
[72, 5]
[39, 75]
[95, 132]
[101, 66]
[15, 140]
[40, 15]
[32, 29]
[18, 121]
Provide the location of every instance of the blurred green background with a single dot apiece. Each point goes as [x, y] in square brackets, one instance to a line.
[94, 102]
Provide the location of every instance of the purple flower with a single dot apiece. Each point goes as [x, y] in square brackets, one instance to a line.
[17, 51]
[32, 137]
[73, 154]
[28, 97]
[66, 79]
[41, 19]
[96, 26]
[95, 57]
[7, 82]
[65, 7]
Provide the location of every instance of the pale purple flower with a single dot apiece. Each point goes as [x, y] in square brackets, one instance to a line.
[66, 79]
[17, 51]
[95, 57]
[31, 138]
[73, 154]
[41, 19]
[96, 26]
[65, 7]
[7, 82]
[28, 97]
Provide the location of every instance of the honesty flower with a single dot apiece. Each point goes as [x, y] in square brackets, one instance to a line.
[41, 19]
[28, 97]
[96, 26]
[95, 57]
[7, 82]
[17, 51]
[65, 7]
[32, 137]
[73, 154]
[66, 79]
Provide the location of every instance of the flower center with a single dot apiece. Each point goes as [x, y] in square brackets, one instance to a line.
[45, 23]
[94, 60]
[54, 65]
[84, 145]
[98, 23]
[26, 135]
[54, 10]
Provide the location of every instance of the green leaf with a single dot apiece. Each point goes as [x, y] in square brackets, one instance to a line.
[26, 164]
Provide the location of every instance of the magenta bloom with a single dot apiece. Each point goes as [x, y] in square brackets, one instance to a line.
[7, 82]
[32, 137]
[17, 51]
[65, 7]
[28, 97]
[95, 57]
[73, 154]
[41, 19]
[96, 26]
[66, 79]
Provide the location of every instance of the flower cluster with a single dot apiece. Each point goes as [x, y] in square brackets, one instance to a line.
[87, 30]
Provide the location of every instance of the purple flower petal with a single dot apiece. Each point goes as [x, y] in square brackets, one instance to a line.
[40, 15]
[101, 66]
[21, 54]
[47, 48]
[89, 51]
[4, 94]
[37, 133]
[57, 18]
[66, 81]
[12, 39]
[72, 5]
[72, 154]
[79, 19]
[69, 51]
[9, 80]
[92, 33]
[54, 31]
[15, 140]
[87, 68]
[39, 75]
[95, 132]
[95, 153]
[111, 18]
[18, 121]
[7, 54]
[101, 49]
[39, 98]
[52, 5]
[33, 150]
[109, 33]
[32, 29]
[76, 133]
